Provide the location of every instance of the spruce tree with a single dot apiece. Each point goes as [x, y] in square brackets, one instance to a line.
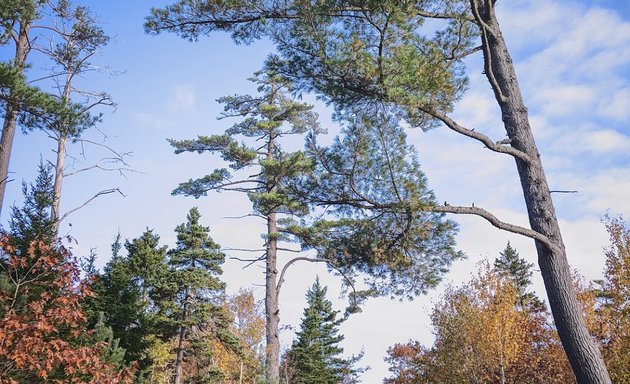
[196, 262]
[315, 356]
[32, 221]
[519, 272]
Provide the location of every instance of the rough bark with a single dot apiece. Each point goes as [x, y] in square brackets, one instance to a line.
[272, 310]
[22, 48]
[583, 354]
[179, 360]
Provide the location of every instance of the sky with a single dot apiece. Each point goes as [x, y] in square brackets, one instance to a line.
[572, 59]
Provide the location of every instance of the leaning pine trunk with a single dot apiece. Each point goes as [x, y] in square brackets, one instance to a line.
[583, 354]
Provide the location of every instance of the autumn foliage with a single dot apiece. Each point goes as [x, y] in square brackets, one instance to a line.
[43, 333]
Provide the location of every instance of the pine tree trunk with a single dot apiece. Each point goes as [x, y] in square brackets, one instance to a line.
[11, 112]
[272, 310]
[271, 304]
[583, 354]
[61, 156]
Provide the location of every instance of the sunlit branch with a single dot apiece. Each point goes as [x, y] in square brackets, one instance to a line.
[101, 193]
[495, 222]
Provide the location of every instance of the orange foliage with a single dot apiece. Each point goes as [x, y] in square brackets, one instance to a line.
[43, 337]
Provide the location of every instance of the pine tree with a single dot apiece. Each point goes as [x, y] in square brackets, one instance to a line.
[267, 118]
[407, 57]
[315, 356]
[196, 261]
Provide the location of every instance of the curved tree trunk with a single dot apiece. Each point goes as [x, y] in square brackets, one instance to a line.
[22, 48]
[583, 354]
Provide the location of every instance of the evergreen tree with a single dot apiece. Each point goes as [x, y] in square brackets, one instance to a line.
[196, 262]
[148, 266]
[134, 293]
[32, 221]
[119, 298]
[519, 272]
[315, 356]
[267, 119]
[407, 57]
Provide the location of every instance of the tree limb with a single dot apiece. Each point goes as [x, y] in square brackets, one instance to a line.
[103, 192]
[495, 222]
[491, 145]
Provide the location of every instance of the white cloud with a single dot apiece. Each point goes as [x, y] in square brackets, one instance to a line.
[183, 98]
[616, 105]
[149, 120]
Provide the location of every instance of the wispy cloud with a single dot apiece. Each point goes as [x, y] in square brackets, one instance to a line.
[183, 98]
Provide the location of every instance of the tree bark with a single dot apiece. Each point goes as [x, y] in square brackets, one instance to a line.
[179, 360]
[61, 157]
[22, 48]
[272, 310]
[583, 354]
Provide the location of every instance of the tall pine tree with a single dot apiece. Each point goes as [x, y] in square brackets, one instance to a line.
[267, 118]
[315, 356]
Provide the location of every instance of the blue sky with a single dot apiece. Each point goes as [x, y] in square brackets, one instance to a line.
[572, 59]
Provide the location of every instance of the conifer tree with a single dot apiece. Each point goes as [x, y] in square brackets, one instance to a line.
[519, 272]
[315, 356]
[32, 221]
[119, 298]
[267, 118]
[408, 58]
[196, 262]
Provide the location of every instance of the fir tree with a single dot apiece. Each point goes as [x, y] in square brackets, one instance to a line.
[32, 221]
[196, 262]
[315, 356]
[119, 298]
[519, 272]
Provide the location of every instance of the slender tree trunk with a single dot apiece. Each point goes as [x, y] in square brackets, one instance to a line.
[179, 360]
[180, 355]
[61, 157]
[583, 354]
[61, 154]
[22, 48]
[272, 310]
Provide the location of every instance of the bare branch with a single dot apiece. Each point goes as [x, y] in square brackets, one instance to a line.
[121, 170]
[244, 250]
[101, 193]
[495, 222]
[250, 261]
[291, 262]
[244, 216]
[453, 125]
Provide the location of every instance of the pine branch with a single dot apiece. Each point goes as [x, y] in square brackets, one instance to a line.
[495, 222]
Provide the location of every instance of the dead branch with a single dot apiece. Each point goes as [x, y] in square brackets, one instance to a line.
[88, 201]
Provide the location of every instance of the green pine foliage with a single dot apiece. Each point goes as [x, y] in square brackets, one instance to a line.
[316, 356]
